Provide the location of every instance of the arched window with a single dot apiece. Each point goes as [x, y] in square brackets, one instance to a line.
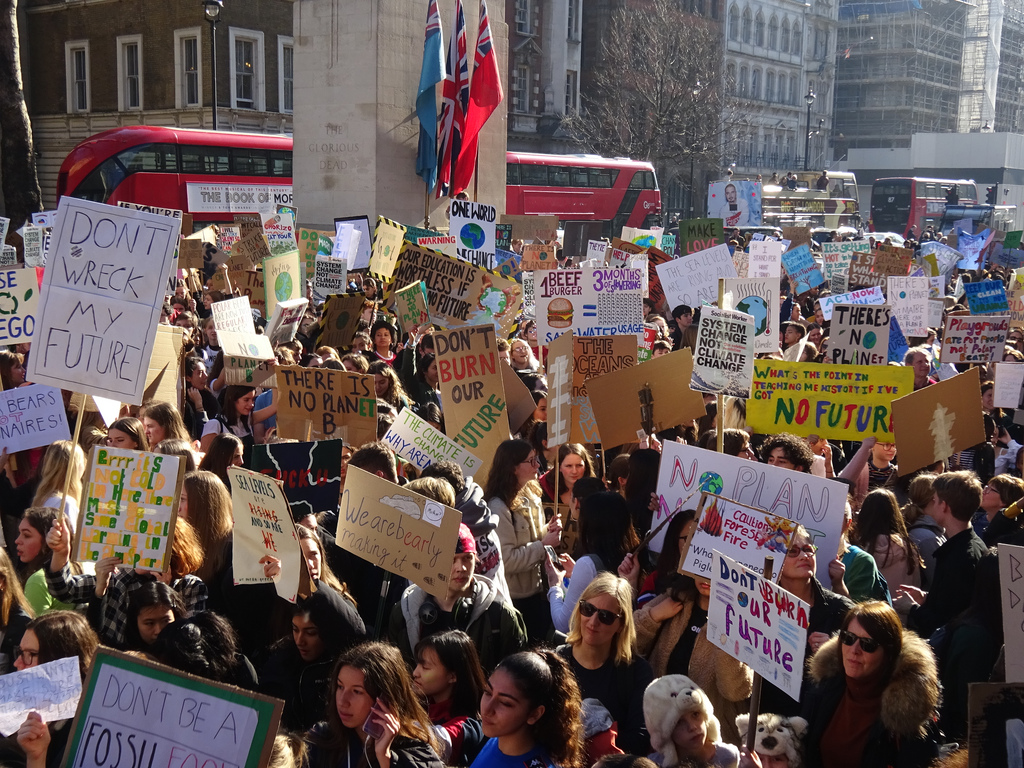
[755, 84]
[734, 23]
[769, 86]
[730, 78]
[798, 40]
[748, 22]
[773, 34]
[744, 80]
[782, 89]
[759, 30]
[784, 43]
[792, 91]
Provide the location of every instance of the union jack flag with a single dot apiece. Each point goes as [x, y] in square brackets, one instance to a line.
[455, 100]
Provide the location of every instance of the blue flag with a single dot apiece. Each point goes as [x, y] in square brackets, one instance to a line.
[432, 73]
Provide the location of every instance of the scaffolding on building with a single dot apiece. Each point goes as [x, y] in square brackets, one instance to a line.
[898, 72]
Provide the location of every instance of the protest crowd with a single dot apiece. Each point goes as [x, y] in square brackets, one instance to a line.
[436, 513]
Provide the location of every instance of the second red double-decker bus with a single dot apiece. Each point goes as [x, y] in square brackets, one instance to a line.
[901, 203]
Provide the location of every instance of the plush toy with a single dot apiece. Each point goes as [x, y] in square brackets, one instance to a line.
[666, 700]
[777, 736]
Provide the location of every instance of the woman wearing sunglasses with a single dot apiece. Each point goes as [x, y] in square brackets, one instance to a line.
[876, 695]
[600, 653]
[826, 615]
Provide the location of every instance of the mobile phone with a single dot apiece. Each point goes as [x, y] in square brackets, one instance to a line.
[371, 727]
[553, 557]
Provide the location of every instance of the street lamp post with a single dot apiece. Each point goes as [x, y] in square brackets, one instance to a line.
[809, 98]
[212, 9]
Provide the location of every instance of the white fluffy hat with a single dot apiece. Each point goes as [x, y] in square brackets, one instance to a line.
[666, 700]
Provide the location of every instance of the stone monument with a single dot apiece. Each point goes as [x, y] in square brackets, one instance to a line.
[357, 68]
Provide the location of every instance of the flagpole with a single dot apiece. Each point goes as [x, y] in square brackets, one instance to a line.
[426, 207]
[476, 176]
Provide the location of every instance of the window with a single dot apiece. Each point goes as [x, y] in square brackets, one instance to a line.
[792, 90]
[205, 159]
[769, 87]
[285, 74]
[571, 89]
[784, 40]
[730, 78]
[734, 23]
[759, 30]
[76, 63]
[755, 84]
[744, 80]
[520, 88]
[773, 33]
[798, 40]
[574, 20]
[247, 74]
[782, 89]
[188, 68]
[129, 72]
[523, 26]
[747, 23]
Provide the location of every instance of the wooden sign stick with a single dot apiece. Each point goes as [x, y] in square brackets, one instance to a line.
[755, 693]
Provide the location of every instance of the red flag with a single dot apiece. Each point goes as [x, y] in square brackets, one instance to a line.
[454, 101]
[485, 95]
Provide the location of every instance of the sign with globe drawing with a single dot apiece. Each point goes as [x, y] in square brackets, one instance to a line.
[756, 296]
[473, 226]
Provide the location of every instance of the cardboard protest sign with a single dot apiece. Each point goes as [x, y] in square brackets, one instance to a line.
[621, 252]
[249, 252]
[871, 295]
[416, 441]
[459, 293]
[773, 636]
[699, 235]
[19, 305]
[472, 224]
[594, 356]
[859, 335]
[284, 323]
[655, 292]
[471, 390]
[645, 238]
[519, 402]
[748, 533]
[974, 339]
[190, 254]
[197, 722]
[987, 297]
[693, 279]
[263, 526]
[530, 228]
[797, 236]
[560, 389]
[1011, 587]
[284, 279]
[1015, 299]
[323, 404]
[411, 306]
[330, 277]
[162, 375]
[862, 272]
[938, 421]
[129, 507]
[101, 299]
[756, 297]
[1008, 383]
[352, 236]
[32, 238]
[941, 256]
[893, 261]
[400, 531]
[388, 237]
[340, 320]
[252, 287]
[995, 729]
[845, 402]
[802, 269]
[538, 256]
[724, 359]
[815, 502]
[31, 417]
[51, 689]
[908, 297]
[591, 302]
[503, 237]
[765, 258]
[836, 259]
[280, 232]
[645, 350]
[313, 243]
[233, 315]
[596, 249]
[508, 264]
[618, 419]
[309, 473]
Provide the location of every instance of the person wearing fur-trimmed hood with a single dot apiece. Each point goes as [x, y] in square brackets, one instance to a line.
[875, 695]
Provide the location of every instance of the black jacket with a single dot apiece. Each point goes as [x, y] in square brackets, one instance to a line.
[952, 582]
[904, 735]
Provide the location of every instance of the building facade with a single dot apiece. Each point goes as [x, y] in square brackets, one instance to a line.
[91, 66]
[544, 63]
[777, 53]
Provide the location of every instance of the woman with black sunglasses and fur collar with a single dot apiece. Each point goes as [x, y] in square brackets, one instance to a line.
[875, 695]
[611, 676]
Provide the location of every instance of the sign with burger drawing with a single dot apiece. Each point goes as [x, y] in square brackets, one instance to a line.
[472, 224]
[592, 302]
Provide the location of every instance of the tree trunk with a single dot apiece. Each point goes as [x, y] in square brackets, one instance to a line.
[22, 196]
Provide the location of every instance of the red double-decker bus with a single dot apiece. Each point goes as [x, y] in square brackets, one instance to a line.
[901, 203]
[210, 174]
